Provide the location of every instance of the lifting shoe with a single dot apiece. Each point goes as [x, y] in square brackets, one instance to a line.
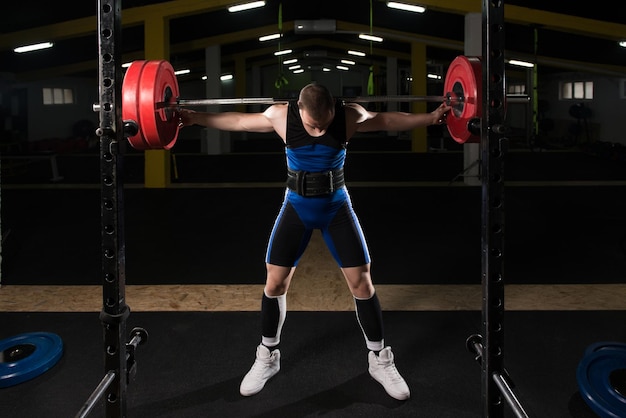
[265, 366]
[383, 370]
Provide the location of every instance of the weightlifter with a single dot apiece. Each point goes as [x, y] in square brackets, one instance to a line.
[316, 130]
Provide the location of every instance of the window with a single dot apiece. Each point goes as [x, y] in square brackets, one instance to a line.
[54, 96]
[516, 89]
[576, 90]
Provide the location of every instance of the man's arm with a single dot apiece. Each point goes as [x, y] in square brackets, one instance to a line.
[227, 121]
[367, 121]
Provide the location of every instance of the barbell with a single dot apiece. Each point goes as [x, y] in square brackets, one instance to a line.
[150, 99]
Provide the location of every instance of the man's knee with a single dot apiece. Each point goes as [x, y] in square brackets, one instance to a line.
[277, 281]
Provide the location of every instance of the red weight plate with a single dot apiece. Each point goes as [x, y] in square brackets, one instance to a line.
[130, 101]
[158, 84]
[464, 77]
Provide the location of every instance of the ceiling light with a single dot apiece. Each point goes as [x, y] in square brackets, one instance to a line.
[370, 37]
[283, 52]
[246, 6]
[348, 62]
[181, 72]
[325, 69]
[33, 47]
[622, 44]
[291, 61]
[301, 70]
[270, 37]
[295, 67]
[226, 77]
[341, 67]
[406, 7]
[434, 76]
[521, 63]
[357, 53]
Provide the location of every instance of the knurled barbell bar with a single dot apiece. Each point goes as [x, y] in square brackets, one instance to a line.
[150, 102]
[271, 100]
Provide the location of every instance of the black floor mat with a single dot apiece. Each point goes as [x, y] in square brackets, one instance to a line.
[193, 363]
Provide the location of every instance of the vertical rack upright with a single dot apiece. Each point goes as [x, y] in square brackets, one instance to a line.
[114, 309]
[493, 146]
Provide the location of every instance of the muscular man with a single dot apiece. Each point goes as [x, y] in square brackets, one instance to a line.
[316, 130]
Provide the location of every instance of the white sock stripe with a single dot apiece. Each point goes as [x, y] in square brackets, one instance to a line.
[282, 311]
[375, 345]
[270, 342]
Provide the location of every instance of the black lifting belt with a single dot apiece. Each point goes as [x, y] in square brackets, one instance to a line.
[315, 184]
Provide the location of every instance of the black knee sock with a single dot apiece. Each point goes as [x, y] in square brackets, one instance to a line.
[370, 317]
[273, 312]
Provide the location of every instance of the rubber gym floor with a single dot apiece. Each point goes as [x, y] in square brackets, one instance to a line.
[194, 275]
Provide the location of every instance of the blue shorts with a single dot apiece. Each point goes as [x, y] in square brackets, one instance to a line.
[333, 215]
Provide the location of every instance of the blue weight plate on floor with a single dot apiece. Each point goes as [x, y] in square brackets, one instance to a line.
[26, 356]
[594, 380]
[604, 344]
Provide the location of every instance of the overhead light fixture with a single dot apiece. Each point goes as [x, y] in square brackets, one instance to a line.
[348, 62]
[270, 37]
[291, 61]
[406, 7]
[370, 37]
[226, 77]
[622, 44]
[328, 26]
[283, 52]
[356, 53]
[295, 67]
[246, 6]
[326, 69]
[301, 70]
[181, 72]
[342, 67]
[434, 76]
[521, 63]
[33, 47]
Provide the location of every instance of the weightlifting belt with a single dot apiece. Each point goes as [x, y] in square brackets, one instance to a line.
[315, 184]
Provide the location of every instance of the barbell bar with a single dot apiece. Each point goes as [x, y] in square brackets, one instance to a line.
[271, 100]
[150, 99]
[515, 98]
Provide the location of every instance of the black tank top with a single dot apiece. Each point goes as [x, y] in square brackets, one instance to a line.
[297, 136]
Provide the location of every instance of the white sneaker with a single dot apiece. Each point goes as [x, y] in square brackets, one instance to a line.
[383, 370]
[264, 368]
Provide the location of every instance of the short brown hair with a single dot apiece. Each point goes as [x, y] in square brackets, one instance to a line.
[316, 100]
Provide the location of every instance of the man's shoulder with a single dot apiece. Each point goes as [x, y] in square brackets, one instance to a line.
[276, 110]
[355, 112]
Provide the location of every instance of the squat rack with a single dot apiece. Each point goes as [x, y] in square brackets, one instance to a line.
[119, 357]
